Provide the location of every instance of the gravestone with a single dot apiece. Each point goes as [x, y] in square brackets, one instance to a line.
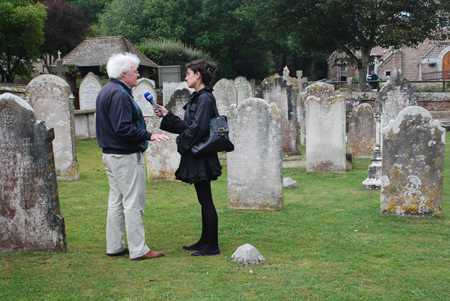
[168, 89]
[144, 85]
[284, 93]
[255, 171]
[60, 68]
[89, 88]
[319, 90]
[184, 85]
[413, 165]
[361, 131]
[49, 96]
[395, 95]
[226, 95]
[325, 130]
[244, 89]
[162, 156]
[177, 101]
[150, 80]
[29, 204]
[247, 255]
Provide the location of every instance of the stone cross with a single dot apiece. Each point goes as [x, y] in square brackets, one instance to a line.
[59, 55]
[60, 68]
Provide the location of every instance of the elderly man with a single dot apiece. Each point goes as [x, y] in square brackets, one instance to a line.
[122, 134]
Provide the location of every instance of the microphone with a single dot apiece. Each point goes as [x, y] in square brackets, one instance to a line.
[149, 98]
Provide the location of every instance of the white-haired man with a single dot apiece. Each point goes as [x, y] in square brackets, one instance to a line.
[122, 135]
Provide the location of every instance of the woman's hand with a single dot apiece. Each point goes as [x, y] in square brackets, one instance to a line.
[163, 111]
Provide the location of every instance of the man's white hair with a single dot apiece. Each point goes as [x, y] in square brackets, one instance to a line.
[120, 63]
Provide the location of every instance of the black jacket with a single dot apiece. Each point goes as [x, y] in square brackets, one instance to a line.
[200, 109]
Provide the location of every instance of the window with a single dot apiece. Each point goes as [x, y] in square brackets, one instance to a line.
[387, 73]
[342, 68]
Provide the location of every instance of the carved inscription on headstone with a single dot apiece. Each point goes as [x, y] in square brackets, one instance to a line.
[29, 204]
[49, 97]
[413, 165]
[255, 167]
[361, 132]
[89, 88]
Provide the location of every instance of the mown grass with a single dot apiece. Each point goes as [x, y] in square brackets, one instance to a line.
[313, 250]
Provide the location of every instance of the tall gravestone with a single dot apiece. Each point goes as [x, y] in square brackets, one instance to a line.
[361, 131]
[413, 165]
[162, 156]
[144, 85]
[244, 89]
[284, 92]
[225, 94]
[255, 167]
[49, 96]
[325, 130]
[177, 101]
[90, 86]
[30, 216]
[395, 95]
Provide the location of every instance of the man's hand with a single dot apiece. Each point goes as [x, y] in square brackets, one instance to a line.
[158, 137]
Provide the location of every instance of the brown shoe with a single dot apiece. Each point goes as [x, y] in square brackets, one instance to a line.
[151, 254]
[124, 252]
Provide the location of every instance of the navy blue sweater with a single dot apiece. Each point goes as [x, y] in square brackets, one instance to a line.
[119, 121]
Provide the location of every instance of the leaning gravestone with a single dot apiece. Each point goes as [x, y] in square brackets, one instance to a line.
[413, 165]
[395, 95]
[49, 97]
[29, 204]
[325, 131]
[255, 167]
[361, 131]
[89, 88]
[177, 101]
[225, 94]
[162, 156]
[284, 93]
[144, 85]
[244, 89]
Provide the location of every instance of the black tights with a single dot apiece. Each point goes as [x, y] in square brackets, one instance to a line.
[209, 235]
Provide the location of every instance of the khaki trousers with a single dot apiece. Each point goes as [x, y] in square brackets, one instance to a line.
[126, 203]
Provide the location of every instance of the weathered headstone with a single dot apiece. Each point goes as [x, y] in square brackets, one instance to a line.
[289, 183]
[29, 204]
[144, 85]
[168, 89]
[225, 94]
[255, 177]
[247, 255]
[162, 156]
[49, 96]
[89, 88]
[243, 89]
[413, 165]
[361, 131]
[284, 93]
[395, 95]
[177, 101]
[325, 130]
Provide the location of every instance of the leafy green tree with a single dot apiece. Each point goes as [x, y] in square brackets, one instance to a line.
[139, 20]
[64, 29]
[21, 32]
[91, 9]
[352, 27]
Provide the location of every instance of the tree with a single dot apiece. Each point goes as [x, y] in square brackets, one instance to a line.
[20, 35]
[139, 20]
[64, 29]
[91, 9]
[352, 27]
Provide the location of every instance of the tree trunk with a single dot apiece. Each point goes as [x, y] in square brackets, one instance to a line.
[362, 69]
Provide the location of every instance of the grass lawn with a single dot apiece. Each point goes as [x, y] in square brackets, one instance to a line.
[313, 248]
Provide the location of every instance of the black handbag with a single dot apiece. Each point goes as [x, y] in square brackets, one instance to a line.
[217, 140]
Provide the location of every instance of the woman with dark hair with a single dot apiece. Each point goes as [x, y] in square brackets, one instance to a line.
[199, 170]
